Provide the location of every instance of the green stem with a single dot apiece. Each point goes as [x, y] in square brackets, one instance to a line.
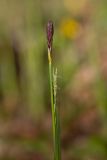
[55, 117]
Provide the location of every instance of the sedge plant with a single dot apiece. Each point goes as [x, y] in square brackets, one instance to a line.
[53, 93]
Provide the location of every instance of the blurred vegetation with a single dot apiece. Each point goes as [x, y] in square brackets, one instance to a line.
[80, 53]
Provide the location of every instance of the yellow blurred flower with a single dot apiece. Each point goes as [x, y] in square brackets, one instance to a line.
[69, 28]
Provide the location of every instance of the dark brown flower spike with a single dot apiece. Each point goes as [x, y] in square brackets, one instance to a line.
[50, 32]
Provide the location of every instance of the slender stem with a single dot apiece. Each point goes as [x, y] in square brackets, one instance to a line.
[51, 90]
[55, 117]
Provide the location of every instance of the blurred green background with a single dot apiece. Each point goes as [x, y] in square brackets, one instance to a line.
[80, 54]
